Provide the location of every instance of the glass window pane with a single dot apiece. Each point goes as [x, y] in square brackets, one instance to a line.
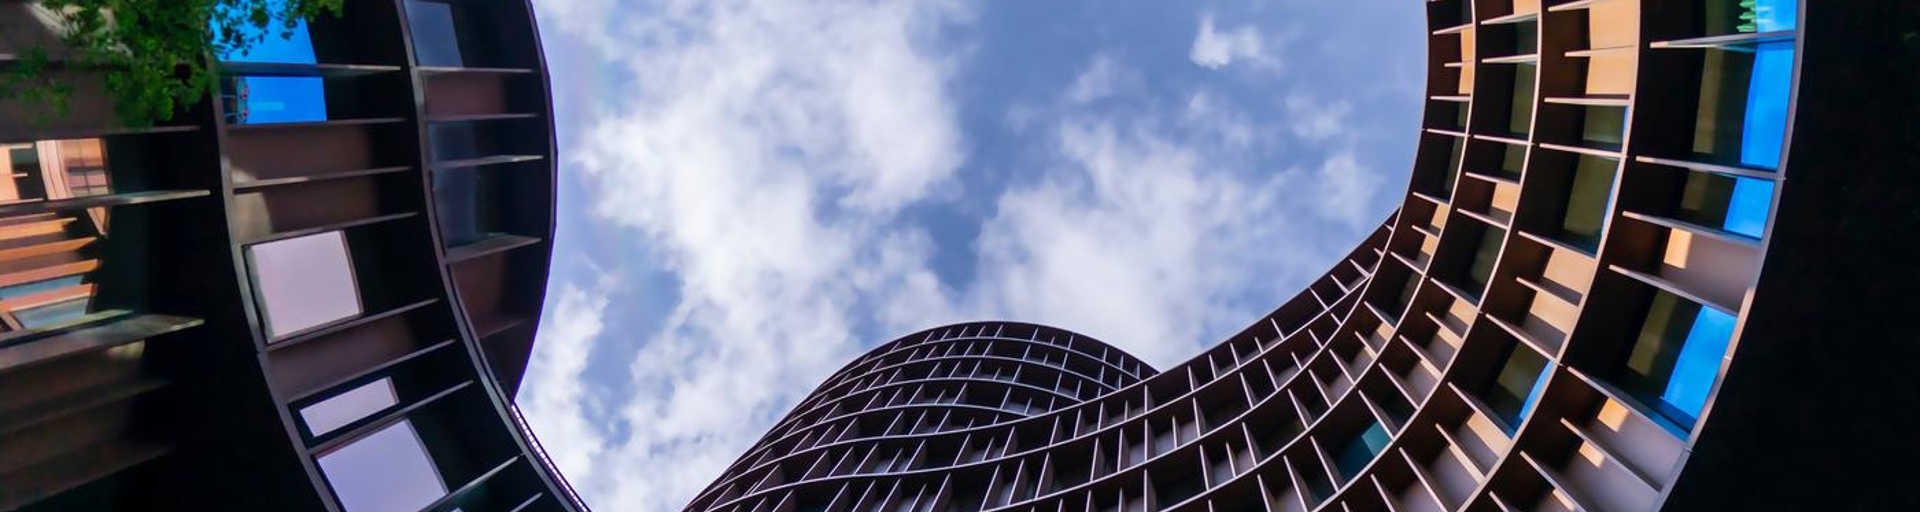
[1361, 449]
[1674, 361]
[297, 49]
[1768, 93]
[1483, 258]
[304, 282]
[1736, 204]
[52, 315]
[1605, 126]
[1699, 361]
[435, 40]
[275, 99]
[387, 471]
[1520, 119]
[1772, 15]
[1511, 162]
[1587, 197]
[345, 408]
[1513, 391]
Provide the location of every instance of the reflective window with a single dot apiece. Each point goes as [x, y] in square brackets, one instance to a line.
[275, 99]
[1770, 15]
[1736, 204]
[1604, 126]
[55, 169]
[1513, 392]
[1483, 258]
[386, 471]
[1361, 449]
[345, 408]
[1586, 205]
[304, 282]
[435, 41]
[1743, 103]
[297, 48]
[1676, 357]
[1512, 160]
[57, 291]
[1520, 112]
[1768, 93]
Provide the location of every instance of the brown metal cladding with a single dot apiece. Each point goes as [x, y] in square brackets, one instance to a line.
[172, 392]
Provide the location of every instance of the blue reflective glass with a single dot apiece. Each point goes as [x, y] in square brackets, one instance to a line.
[1362, 449]
[1747, 209]
[1772, 15]
[1539, 383]
[22, 290]
[297, 49]
[275, 99]
[1699, 361]
[52, 314]
[435, 40]
[1768, 92]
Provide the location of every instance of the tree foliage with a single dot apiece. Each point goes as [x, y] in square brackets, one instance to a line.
[155, 57]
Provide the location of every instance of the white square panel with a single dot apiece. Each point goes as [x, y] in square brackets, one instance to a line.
[387, 471]
[304, 282]
[345, 408]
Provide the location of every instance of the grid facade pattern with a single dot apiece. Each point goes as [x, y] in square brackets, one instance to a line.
[1542, 325]
[315, 289]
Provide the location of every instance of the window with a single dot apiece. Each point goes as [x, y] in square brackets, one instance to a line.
[1743, 102]
[386, 471]
[435, 41]
[1361, 450]
[52, 315]
[1483, 257]
[1736, 204]
[85, 162]
[1604, 126]
[1770, 15]
[348, 407]
[1453, 166]
[1512, 392]
[1520, 112]
[275, 99]
[1768, 93]
[23, 174]
[304, 282]
[1587, 197]
[1512, 160]
[270, 47]
[1676, 357]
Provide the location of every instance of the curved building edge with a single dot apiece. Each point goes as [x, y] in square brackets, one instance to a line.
[322, 308]
[1593, 297]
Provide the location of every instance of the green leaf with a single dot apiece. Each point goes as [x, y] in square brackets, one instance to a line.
[153, 54]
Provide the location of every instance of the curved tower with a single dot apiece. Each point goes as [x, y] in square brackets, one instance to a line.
[315, 290]
[1559, 316]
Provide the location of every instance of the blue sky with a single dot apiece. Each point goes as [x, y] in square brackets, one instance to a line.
[755, 191]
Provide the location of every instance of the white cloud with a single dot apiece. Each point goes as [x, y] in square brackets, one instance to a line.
[1346, 188]
[1101, 79]
[764, 152]
[1151, 231]
[554, 396]
[1213, 49]
[1317, 120]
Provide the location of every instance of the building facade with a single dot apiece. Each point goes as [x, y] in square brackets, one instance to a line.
[1565, 313]
[315, 290]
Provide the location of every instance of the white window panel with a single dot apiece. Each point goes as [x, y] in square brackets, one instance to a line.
[387, 471]
[304, 282]
[331, 414]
